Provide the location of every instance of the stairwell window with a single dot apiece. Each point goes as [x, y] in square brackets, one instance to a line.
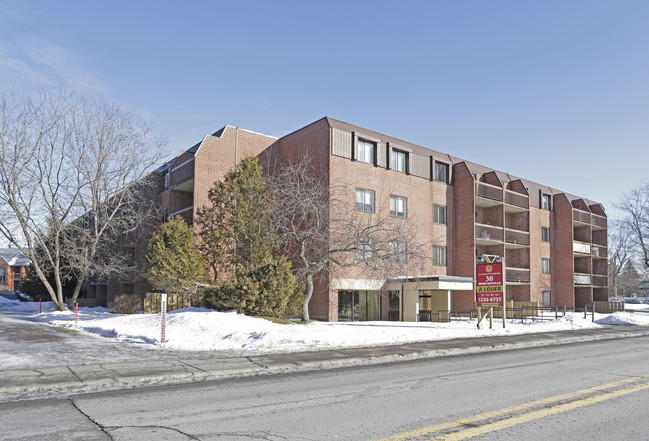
[546, 202]
[398, 206]
[399, 161]
[441, 172]
[365, 200]
[439, 255]
[365, 151]
[439, 214]
[398, 251]
[545, 265]
[545, 234]
[547, 298]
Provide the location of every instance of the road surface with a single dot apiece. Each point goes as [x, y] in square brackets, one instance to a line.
[590, 391]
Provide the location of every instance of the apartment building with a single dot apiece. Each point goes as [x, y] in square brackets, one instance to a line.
[554, 244]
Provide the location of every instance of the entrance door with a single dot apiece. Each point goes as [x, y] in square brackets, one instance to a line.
[393, 306]
[425, 306]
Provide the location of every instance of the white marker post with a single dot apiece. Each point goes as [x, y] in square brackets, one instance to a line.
[163, 317]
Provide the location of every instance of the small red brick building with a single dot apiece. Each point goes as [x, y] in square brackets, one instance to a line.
[13, 269]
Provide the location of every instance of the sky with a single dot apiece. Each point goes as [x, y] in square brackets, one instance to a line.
[556, 92]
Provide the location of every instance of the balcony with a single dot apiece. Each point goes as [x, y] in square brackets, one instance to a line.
[581, 248]
[599, 252]
[598, 222]
[582, 279]
[516, 202]
[581, 217]
[517, 275]
[487, 195]
[488, 235]
[600, 280]
[517, 239]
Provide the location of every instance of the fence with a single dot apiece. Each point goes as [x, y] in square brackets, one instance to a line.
[174, 302]
[608, 307]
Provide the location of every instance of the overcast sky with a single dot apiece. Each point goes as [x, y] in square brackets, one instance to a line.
[553, 91]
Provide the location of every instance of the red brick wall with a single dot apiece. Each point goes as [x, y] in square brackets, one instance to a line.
[463, 244]
[562, 263]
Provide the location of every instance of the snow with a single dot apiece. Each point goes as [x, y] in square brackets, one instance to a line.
[209, 330]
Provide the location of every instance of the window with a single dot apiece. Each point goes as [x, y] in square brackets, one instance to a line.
[365, 151]
[546, 298]
[166, 180]
[439, 255]
[365, 200]
[546, 202]
[16, 271]
[439, 214]
[364, 249]
[398, 206]
[399, 161]
[545, 234]
[398, 251]
[545, 263]
[165, 216]
[441, 172]
[2, 276]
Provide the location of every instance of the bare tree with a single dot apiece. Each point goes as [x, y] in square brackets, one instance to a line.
[635, 206]
[67, 168]
[319, 227]
[619, 253]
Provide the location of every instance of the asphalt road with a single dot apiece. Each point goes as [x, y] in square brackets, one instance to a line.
[587, 391]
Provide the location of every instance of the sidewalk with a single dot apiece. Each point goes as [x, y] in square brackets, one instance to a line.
[160, 368]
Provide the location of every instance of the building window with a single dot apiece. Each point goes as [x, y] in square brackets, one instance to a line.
[545, 234]
[398, 251]
[16, 271]
[546, 202]
[545, 266]
[398, 206]
[165, 215]
[364, 249]
[365, 151]
[166, 180]
[365, 200]
[441, 172]
[546, 298]
[2, 276]
[439, 255]
[439, 214]
[399, 161]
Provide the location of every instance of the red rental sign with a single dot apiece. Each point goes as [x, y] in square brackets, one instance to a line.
[489, 286]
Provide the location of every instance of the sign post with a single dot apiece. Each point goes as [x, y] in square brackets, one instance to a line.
[163, 317]
[490, 286]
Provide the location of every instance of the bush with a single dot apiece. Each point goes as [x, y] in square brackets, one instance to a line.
[269, 291]
[126, 304]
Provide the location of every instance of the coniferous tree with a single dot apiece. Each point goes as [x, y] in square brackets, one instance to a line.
[172, 263]
[238, 240]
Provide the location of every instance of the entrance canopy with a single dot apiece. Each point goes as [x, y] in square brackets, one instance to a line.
[451, 283]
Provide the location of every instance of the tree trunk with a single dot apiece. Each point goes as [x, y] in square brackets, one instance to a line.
[75, 294]
[307, 297]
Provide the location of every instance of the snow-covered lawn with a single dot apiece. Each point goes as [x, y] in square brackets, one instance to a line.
[202, 329]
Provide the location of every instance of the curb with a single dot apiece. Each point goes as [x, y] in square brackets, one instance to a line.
[62, 382]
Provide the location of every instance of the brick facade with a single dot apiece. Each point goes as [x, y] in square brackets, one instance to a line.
[487, 212]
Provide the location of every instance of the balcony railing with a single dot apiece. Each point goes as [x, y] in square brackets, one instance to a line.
[599, 251]
[600, 280]
[520, 200]
[581, 216]
[489, 191]
[517, 275]
[581, 248]
[517, 237]
[599, 221]
[582, 279]
[487, 233]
